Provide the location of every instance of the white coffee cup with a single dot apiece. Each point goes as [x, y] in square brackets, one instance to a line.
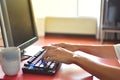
[10, 60]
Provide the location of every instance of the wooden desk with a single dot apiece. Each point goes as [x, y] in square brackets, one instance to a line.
[66, 72]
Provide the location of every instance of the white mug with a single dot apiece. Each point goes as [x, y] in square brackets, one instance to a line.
[10, 61]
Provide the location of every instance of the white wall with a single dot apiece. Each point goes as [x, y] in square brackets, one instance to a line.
[40, 22]
[38, 11]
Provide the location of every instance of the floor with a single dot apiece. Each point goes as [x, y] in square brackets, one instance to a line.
[75, 39]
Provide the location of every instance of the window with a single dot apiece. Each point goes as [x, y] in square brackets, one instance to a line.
[89, 8]
[59, 8]
[67, 8]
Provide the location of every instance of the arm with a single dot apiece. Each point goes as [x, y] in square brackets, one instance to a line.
[99, 70]
[102, 71]
[105, 51]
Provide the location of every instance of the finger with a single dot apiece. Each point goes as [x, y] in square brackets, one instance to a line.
[59, 45]
[51, 58]
[48, 47]
[45, 55]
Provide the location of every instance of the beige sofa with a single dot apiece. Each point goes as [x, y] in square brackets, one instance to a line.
[86, 26]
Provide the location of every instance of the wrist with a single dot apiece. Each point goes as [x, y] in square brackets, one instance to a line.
[75, 57]
[78, 57]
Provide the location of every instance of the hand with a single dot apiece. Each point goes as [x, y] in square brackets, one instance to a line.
[67, 46]
[58, 54]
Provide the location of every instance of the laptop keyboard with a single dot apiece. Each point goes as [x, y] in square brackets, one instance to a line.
[35, 65]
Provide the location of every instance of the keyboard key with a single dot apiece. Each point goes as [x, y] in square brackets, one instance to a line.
[48, 64]
[52, 65]
[31, 66]
[31, 59]
[36, 60]
[39, 53]
[38, 64]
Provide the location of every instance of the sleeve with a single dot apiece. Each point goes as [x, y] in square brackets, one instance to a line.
[117, 50]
